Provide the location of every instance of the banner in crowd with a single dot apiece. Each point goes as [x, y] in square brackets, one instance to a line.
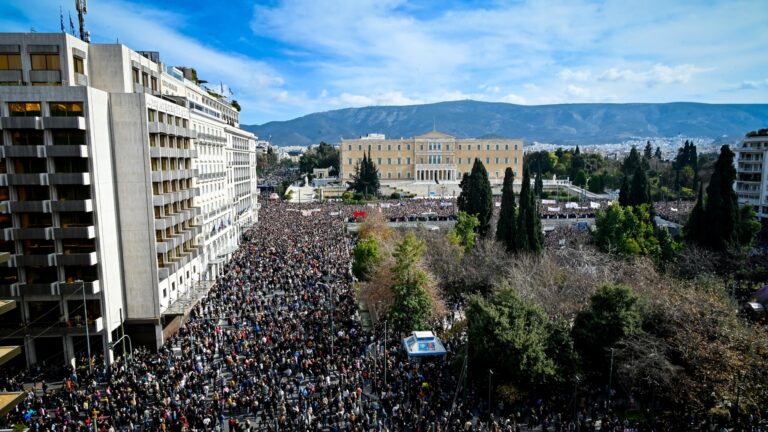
[548, 202]
[553, 209]
[358, 214]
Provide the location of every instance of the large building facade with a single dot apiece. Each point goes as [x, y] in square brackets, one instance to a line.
[102, 193]
[434, 157]
[752, 172]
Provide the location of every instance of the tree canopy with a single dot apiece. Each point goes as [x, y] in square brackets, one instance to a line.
[476, 197]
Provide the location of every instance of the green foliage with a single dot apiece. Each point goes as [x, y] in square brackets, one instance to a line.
[366, 257]
[506, 225]
[510, 336]
[639, 192]
[321, 156]
[395, 195]
[718, 223]
[463, 233]
[631, 162]
[648, 151]
[613, 313]
[366, 177]
[528, 234]
[686, 166]
[624, 192]
[476, 197]
[657, 154]
[627, 231]
[580, 179]
[412, 305]
[538, 185]
[236, 105]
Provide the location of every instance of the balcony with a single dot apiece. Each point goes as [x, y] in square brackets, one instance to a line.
[34, 260]
[30, 233]
[91, 288]
[11, 76]
[72, 206]
[84, 232]
[24, 179]
[170, 152]
[29, 206]
[22, 151]
[64, 123]
[69, 178]
[79, 259]
[45, 76]
[67, 151]
[41, 289]
[22, 123]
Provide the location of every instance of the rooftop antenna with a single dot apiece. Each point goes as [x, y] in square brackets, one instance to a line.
[61, 18]
[82, 10]
[71, 24]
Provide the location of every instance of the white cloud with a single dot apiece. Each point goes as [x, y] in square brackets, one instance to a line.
[753, 85]
[576, 92]
[658, 74]
[513, 98]
[575, 75]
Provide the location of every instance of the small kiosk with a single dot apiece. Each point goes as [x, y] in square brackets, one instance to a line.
[423, 344]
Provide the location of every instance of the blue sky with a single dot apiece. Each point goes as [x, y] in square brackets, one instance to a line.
[288, 58]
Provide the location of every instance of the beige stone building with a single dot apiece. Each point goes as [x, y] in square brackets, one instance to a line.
[434, 157]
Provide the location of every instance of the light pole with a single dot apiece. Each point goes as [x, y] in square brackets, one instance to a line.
[490, 376]
[610, 379]
[87, 332]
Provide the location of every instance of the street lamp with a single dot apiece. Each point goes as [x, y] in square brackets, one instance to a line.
[490, 376]
[87, 332]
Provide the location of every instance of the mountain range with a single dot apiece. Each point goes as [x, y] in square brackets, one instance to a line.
[568, 124]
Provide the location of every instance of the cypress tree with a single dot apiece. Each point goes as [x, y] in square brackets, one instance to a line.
[657, 155]
[722, 208]
[639, 192]
[648, 152]
[624, 192]
[461, 200]
[505, 227]
[538, 184]
[695, 228]
[533, 220]
[631, 162]
[476, 197]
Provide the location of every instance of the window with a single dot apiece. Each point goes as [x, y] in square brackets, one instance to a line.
[497, 160]
[459, 146]
[45, 61]
[389, 147]
[515, 146]
[378, 147]
[24, 109]
[10, 61]
[145, 79]
[408, 161]
[135, 75]
[506, 146]
[68, 137]
[66, 109]
[487, 160]
[349, 161]
[398, 161]
[359, 147]
[506, 160]
[398, 147]
[79, 65]
[378, 161]
[154, 83]
[497, 174]
[497, 147]
[152, 115]
[389, 175]
[398, 175]
[448, 147]
[458, 161]
[515, 161]
[408, 146]
[421, 146]
[389, 161]
[349, 147]
[487, 147]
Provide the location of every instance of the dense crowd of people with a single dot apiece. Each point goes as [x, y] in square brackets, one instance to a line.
[674, 211]
[278, 344]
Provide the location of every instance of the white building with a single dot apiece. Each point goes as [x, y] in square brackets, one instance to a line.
[752, 173]
[110, 163]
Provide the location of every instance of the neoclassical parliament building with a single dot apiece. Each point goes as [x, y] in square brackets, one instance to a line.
[433, 157]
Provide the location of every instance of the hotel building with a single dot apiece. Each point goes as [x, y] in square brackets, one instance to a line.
[434, 157]
[100, 182]
[752, 172]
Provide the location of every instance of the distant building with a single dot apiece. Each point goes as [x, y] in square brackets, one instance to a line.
[434, 157]
[751, 171]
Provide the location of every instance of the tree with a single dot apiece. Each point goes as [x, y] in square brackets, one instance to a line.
[538, 185]
[580, 179]
[627, 231]
[624, 192]
[721, 212]
[510, 336]
[658, 155]
[613, 313]
[412, 305]
[505, 227]
[695, 229]
[528, 235]
[320, 156]
[631, 162]
[577, 164]
[367, 256]
[639, 192]
[366, 177]
[648, 151]
[476, 197]
[463, 233]
[236, 105]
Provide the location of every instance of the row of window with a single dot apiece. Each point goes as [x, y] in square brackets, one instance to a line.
[34, 109]
[435, 147]
[159, 116]
[39, 62]
[146, 80]
[432, 160]
[408, 175]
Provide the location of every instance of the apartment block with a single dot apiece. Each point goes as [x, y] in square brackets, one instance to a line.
[102, 193]
[751, 171]
[434, 157]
